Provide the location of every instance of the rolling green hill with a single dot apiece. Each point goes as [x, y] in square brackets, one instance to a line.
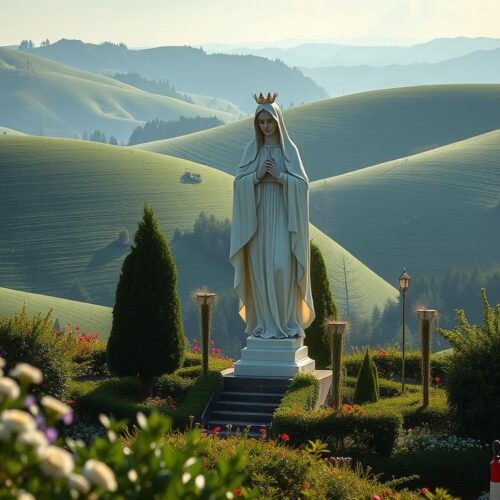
[339, 135]
[66, 201]
[427, 212]
[86, 316]
[42, 97]
[9, 131]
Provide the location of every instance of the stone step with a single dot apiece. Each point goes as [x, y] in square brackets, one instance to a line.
[241, 416]
[257, 397]
[252, 426]
[278, 386]
[242, 406]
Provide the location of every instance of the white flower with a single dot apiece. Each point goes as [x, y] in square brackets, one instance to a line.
[186, 477]
[24, 495]
[189, 462]
[18, 420]
[28, 372]
[56, 406]
[78, 483]
[100, 474]
[2, 362]
[142, 420]
[199, 481]
[35, 439]
[132, 475]
[57, 462]
[9, 388]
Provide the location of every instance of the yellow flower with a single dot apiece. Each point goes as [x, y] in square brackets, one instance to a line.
[100, 474]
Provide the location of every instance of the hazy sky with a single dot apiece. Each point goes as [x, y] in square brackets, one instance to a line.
[141, 23]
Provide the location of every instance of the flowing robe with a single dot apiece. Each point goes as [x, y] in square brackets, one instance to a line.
[270, 250]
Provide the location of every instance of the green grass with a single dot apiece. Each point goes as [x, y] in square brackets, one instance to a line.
[57, 100]
[67, 200]
[339, 135]
[86, 316]
[435, 209]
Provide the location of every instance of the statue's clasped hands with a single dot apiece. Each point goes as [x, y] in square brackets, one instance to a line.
[269, 167]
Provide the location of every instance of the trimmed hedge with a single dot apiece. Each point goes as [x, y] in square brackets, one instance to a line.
[388, 362]
[349, 427]
[120, 397]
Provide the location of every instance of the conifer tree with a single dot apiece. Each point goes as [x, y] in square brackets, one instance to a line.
[147, 335]
[367, 389]
[324, 307]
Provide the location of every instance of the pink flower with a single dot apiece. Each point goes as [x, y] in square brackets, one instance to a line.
[437, 380]
[263, 432]
[376, 497]
[212, 342]
[196, 348]
[195, 341]
[77, 328]
[424, 490]
[70, 324]
[213, 351]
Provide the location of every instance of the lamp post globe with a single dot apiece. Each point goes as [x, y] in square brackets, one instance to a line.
[404, 283]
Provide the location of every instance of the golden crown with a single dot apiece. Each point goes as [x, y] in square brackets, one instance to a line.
[260, 99]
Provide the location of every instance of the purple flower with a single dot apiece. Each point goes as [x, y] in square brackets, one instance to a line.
[51, 434]
[40, 422]
[29, 401]
[68, 418]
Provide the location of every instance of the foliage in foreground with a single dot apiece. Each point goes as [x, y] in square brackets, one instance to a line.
[35, 464]
[474, 371]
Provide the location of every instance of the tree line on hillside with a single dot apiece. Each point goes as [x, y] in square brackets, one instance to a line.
[156, 129]
[98, 136]
[161, 87]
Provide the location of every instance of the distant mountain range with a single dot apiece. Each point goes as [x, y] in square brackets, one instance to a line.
[482, 66]
[311, 55]
[42, 97]
[189, 69]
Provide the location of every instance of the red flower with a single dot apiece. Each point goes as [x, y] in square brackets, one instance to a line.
[284, 437]
[294, 414]
[424, 490]
[376, 497]
[305, 486]
[71, 402]
[387, 493]
[77, 328]
[263, 432]
[437, 380]
[70, 324]
[196, 348]
[216, 430]
[213, 352]
[381, 353]
[238, 492]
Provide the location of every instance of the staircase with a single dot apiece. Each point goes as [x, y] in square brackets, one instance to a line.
[246, 402]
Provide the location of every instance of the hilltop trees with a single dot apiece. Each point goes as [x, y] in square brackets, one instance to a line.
[147, 335]
[324, 307]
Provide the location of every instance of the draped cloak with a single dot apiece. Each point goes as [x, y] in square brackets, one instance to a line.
[247, 196]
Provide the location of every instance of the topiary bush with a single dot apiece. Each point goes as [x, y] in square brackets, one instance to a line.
[33, 341]
[367, 390]
[147, 335]
[324, 307]
[473, 376]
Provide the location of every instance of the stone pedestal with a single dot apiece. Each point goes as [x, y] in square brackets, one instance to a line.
[273, 358]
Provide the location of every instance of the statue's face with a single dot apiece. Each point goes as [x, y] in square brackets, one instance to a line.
[267, 124]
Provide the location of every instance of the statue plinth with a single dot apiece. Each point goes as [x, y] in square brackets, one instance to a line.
[274, 358]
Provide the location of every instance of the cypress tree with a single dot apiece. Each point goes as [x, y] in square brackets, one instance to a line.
[147, 334]
[367, 390]
[324, 307]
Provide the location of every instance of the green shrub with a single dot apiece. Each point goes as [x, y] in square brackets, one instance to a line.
[473, 376]
[91, 360]
[324, 307]
[33, 341]
[367, 390]
[388, 362]
[147, 335]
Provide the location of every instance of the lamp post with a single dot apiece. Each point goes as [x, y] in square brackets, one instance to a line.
[425, 320]
[205, 300]
[404, 284]
[335, 331]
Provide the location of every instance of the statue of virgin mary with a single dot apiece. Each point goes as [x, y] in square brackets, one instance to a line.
[270, 248]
